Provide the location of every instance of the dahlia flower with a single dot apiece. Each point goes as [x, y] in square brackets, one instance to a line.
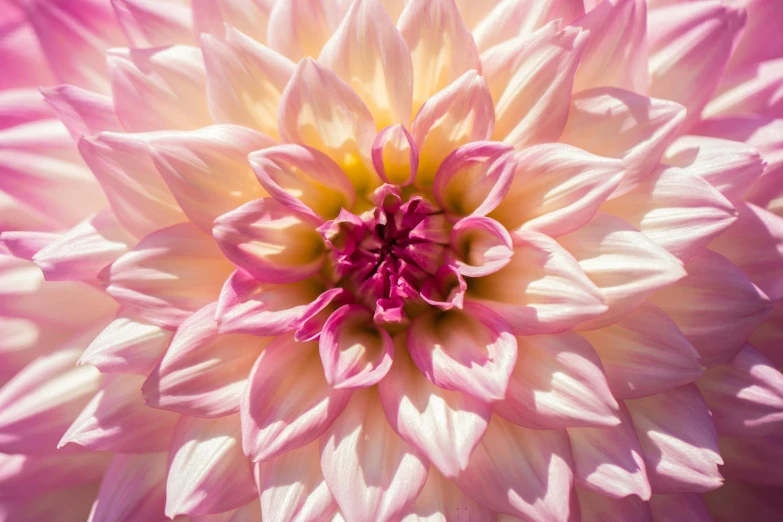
[391, 260]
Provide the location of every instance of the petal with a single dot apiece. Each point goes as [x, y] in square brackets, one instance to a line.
[530, 80]
[24, 244]
[23, 58]
[472, 13]
[557, 382]
[321, 111]
[679, 212]
[441, 46]
[116, 419]
[715, 305]
[245, 81]
[249, 16]
[292, 487]
[270, 241]
[684, 506]
[159, 88]
[763, 16]
[644, 354]
[641, 129]
[154, 24]
[736, 501]
[202, 373]
[482, 246]
[542, 289]
[520, 471]
[755, 89]
[370, 55]
[444, 425]
[690, 47]
[596, 507]
[304, 179]
[678, 441]
[625, 265]
[440, 500]
[753, 459]
[470, 351]
[459, 114]
[207, 170]
[168, 275]
[250, 512]
[207, 471]
[395, 155]
[133, 486]
[745, 395]
[768, 336]
[82, 252]
[84, 112]
[127, 346]
[556, 189]
[23, 476]
[609, 459]
[288, 403]
[299, 28]
[373, 474]
[354, 351]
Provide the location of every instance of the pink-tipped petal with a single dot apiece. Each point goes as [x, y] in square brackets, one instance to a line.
[133, 488]
[481, 246]
[207, 471]
[530, 80]
[288, 403]
[369, 488]
[202, 372]
[300, 28]
[441, 500]
[84, 112]
[395, 155]
[558, 382]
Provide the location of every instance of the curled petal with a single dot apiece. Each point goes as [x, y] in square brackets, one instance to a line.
[84, 112]
[311, 322]
[299, 28]
[133, 486]
[481, 246]
[446, 290]
[288, 403]
[395, 155]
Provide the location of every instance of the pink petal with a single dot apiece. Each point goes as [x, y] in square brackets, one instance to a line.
[678, 441]
[460, 113]
[596, 507]
[84, 112]
[370, 55]
[530, 80]
[557, 382]
[626, 266]
[522, 472]
[444, 425]
[641, 129]
[441, 46]
[556, 189]
[250, 512]
[23, 58]
[24, 244]
[168, 275]
[690, 46]
[644, 354]
[299, 28]
[292, 487]
[745, 395]
[373, 474]
[133, 488]
[202, 372]
[159, 88]
[395, 155]
[681, 213]
[755, 89]
[207, 471]
[737, 501]
[273, 243]
[481, 245]
[288, 403]
[23, 476]
[753, 459]
[354, 351]
[22, 105]
[319, 110]
[763, 17]
[715, 305]
[304, 179]
[470, 351]
[472, 13]
[154, 24]
[207, 170]
[441, 500]
[767, 338]
[677, 507]
[245, 80]
[127, 346]
[249, 16]
[542, 290]
[609, 459]
[116, 419]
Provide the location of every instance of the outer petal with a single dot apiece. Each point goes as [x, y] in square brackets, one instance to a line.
[372, 473]
[753, 459]
[203, 372]
[288, 403]
[641, 128]
[250, 512]
[154, 24]
[557, 382]
[249, 16]
[481, 245]
[756, 89]
[207, 169]
[522, 472]
[470, 351]
[681, 213]
[441, 501]
[542, 289]
[736, 501]
[441, 46]
[678, 441]
[644, 354]
[23, 476]
[84, 112]
[444, 425]
[716, 306]
[168, 275]
[530, 80]
[744, 395]
[133, 486]
[599, 508]
[292, 487]
[763, 16]
[768, 337]
[370, 55]
[207, 471]
[273, 243]
[683, 506]
[299, 28]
